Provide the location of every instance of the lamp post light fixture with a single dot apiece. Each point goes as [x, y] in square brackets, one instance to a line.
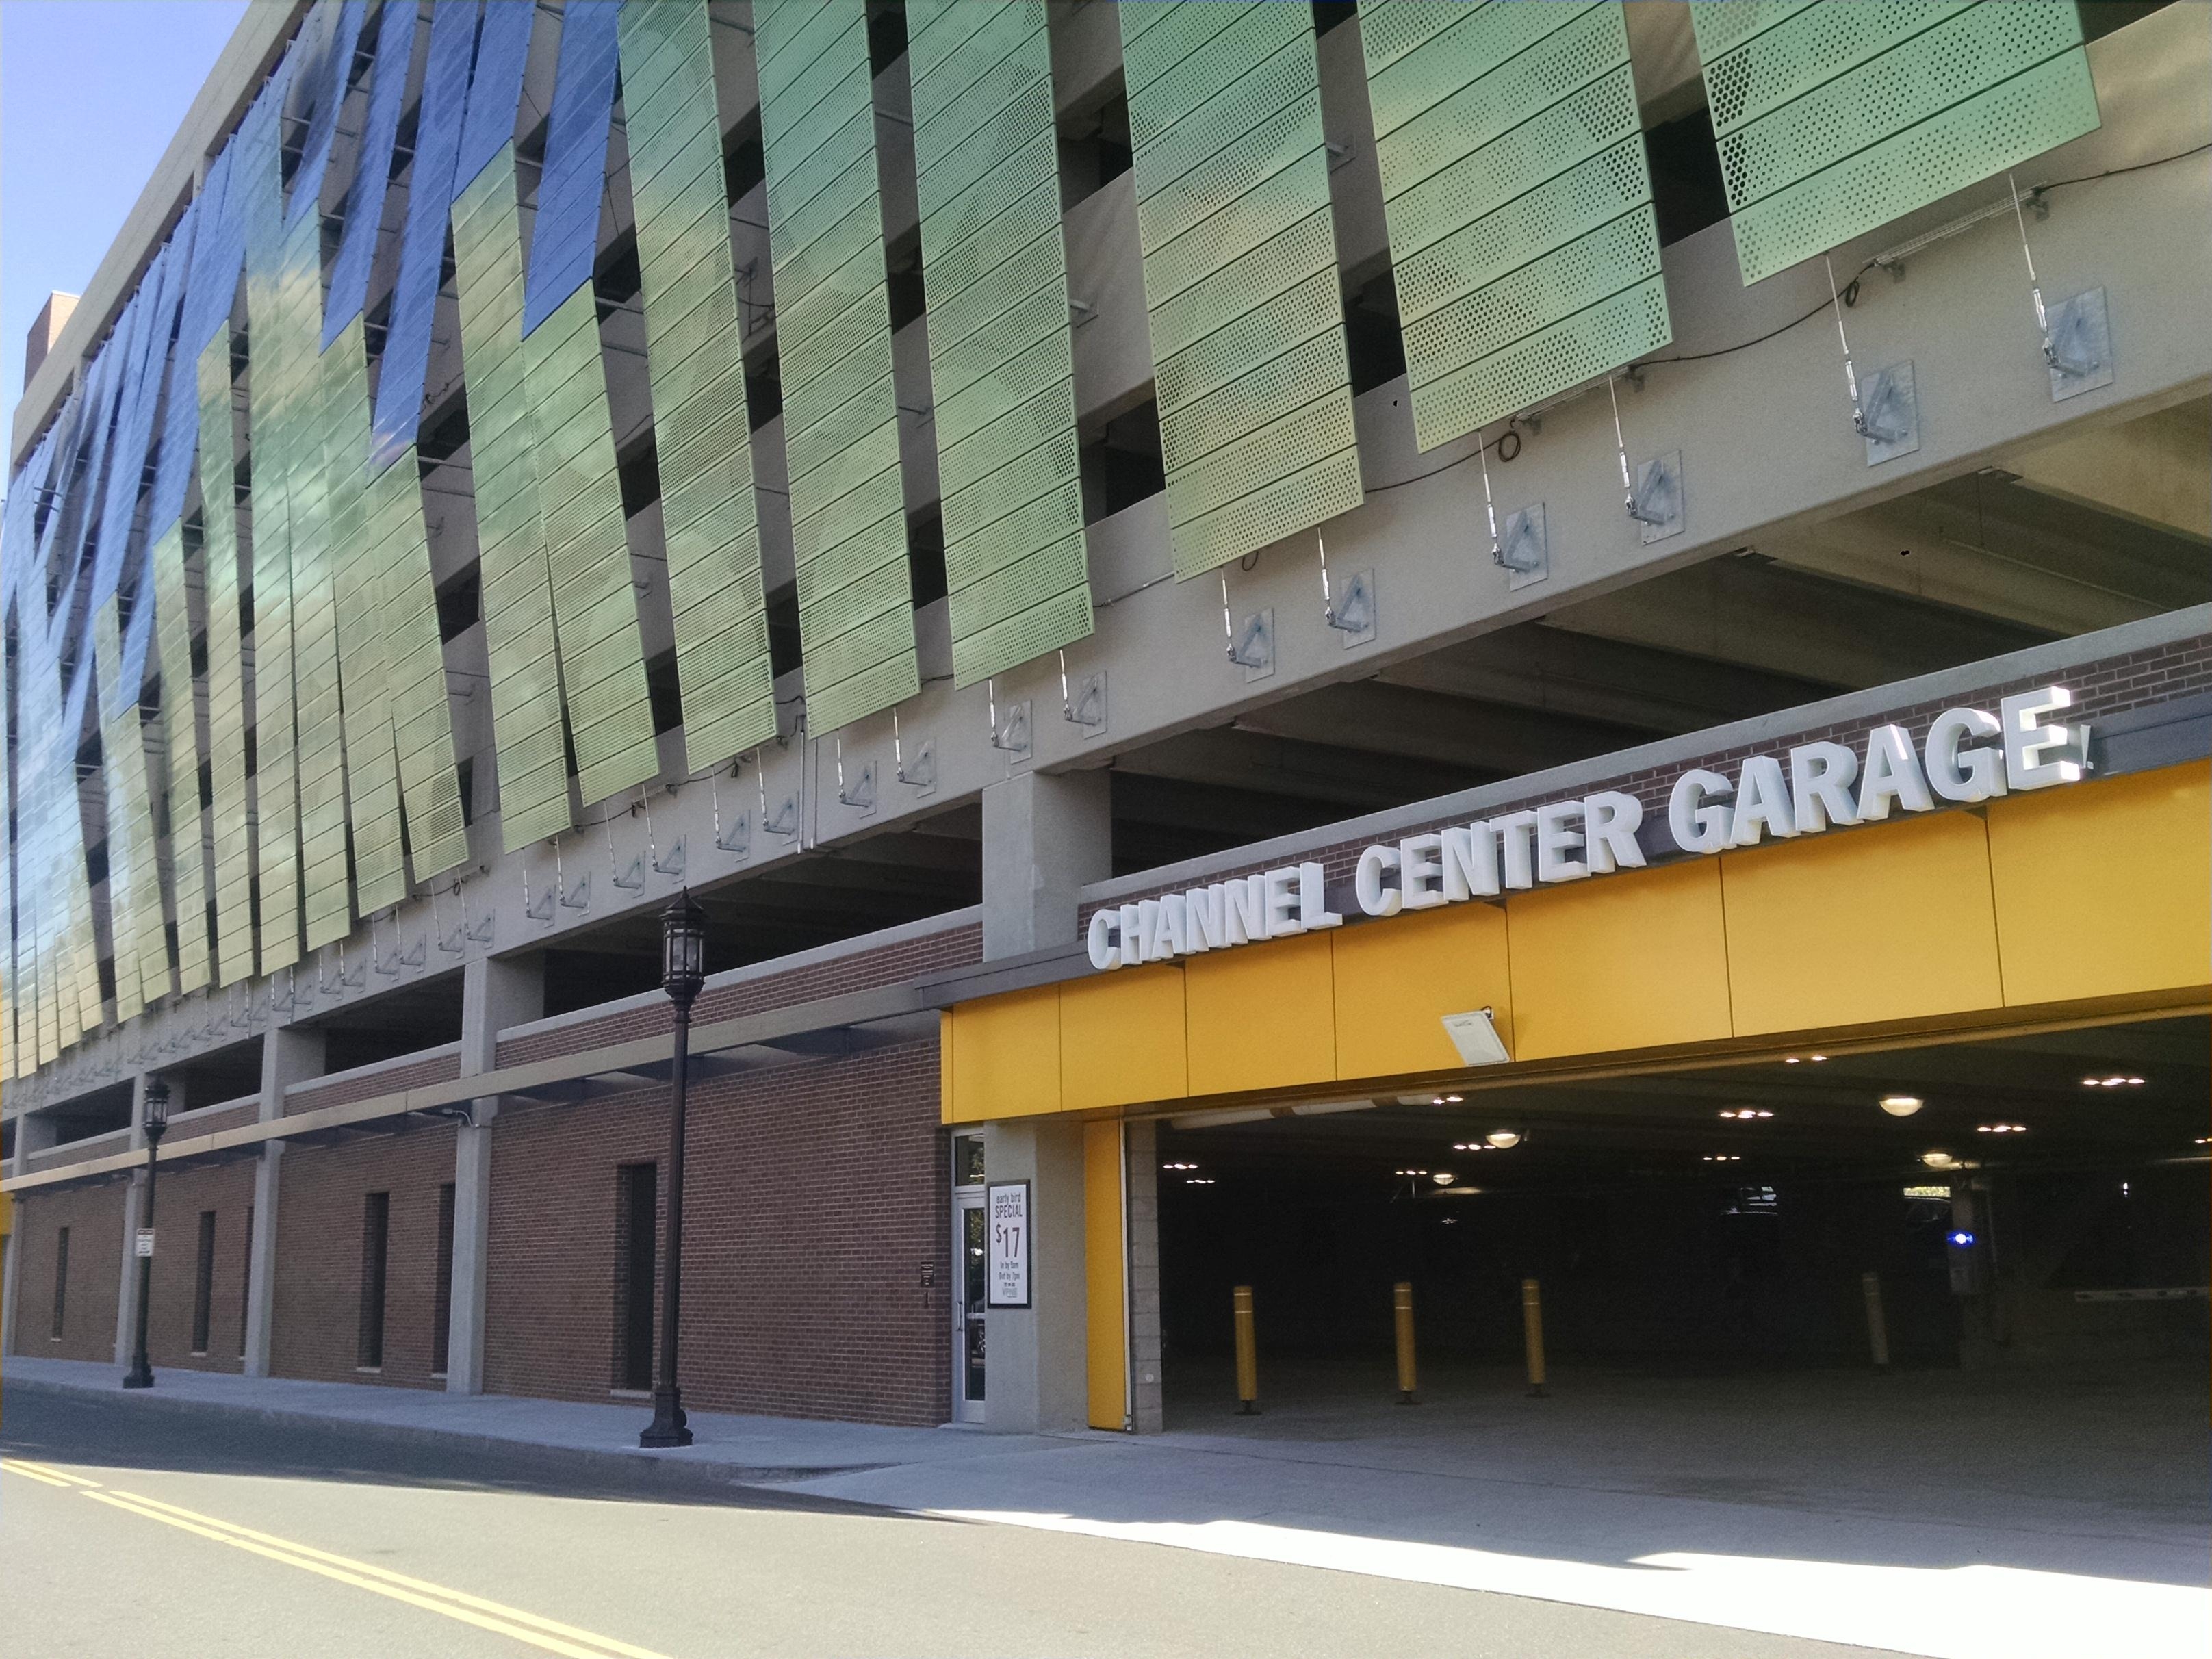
[683, 972]
[154, 1123]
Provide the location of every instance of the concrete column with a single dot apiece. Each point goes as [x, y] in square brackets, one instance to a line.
[126, 1287]
[1045, 836]
[1141, 1147]
[1036, 1379]
[289, 1054]
[496, 993]
[134, 1207]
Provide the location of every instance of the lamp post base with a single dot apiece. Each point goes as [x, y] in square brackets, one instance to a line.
[669, 1426]
[138, 1377]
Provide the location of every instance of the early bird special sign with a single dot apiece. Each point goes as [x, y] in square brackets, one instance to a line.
[1007, 1260]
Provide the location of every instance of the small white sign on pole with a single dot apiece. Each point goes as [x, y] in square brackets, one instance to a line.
[1007, 1206]
[145, 1242]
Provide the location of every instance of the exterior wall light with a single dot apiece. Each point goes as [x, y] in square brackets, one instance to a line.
[1902, 1105]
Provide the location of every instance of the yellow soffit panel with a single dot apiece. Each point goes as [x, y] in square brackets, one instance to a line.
[2104, 889]
[1006, 1057]
[1894, 921]
[1261, 1018]
[1104, 1318]
[1121, 1039]
[1396, 980]
[1624, 962]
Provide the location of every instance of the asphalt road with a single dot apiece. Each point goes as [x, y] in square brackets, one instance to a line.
[170, 1534]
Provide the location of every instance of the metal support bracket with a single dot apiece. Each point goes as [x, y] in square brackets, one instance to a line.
[1009, 729]
[1654, 500]
[1084, 703]
[1524, 547]
[2078, 347]
[1351, 613]
[1252, 647]
[1889, 414]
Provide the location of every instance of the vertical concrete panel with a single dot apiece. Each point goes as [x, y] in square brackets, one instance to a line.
[1039, 1365]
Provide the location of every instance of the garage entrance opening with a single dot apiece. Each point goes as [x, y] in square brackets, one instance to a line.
[2031, 1203]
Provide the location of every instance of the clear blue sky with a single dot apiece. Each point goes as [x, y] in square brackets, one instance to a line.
[91, 92]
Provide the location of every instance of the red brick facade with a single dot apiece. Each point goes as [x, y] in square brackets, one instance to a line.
[389, 1080]
[816, 1198]
[315, 1325]
[93, 1215]
[180, 1197]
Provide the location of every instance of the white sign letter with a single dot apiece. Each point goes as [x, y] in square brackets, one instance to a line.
[1696, 827]
[1554, 841]
[1821, 778]
[1892, 773]
[1313, 908]
[1960, 774]
[1375, 899]
[1104, 951]
[1610, 820]
[2038, 755]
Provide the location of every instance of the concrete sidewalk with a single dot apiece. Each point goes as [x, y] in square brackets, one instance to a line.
[762, 1449]
[1953, 1515]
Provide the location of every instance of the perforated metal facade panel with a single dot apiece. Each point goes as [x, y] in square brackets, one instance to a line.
[134, 888]
[1002, 369]
[1834, 119]
[280, 270]
[232, 821]
[1248, 362]
[518, 600]
[709, 517]
[364, 203]
[587, 553]
[565, 235]
[833, 339]
[1522, 238]
[174, 589]
[397, 549]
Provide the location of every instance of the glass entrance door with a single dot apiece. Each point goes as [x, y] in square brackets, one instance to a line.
[968, 1297]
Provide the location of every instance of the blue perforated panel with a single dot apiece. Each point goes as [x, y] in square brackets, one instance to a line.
[567, 233]
[323, 78]
[496, 85]
[422, 244]
[364, 204]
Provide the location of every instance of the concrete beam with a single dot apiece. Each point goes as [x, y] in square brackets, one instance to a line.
[1044, 836]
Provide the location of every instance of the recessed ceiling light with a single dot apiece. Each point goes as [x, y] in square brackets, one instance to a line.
[1198, 1181]
[1502, 1139]
[1446, 1100]
[1724, 1157]
[1938, 1160]
[1902, 1105]
[2000, 1128]
[1790, 1059]
[1745, 1113]
[1443, 1178]
[1817, 1059]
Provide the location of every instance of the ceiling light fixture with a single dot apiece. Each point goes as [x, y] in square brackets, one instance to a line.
[1409, 1172]
[1745, 1113]
[1817, 1059]
[1446, 1100]
[1178, 1166]
[1503, 1139]
[1443, 1178]
[1724, 1157]
[2000, 1128]
[1902, 1105]
[1939, 1160]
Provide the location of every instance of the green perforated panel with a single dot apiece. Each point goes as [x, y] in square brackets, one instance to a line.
[280, 268]
[709, 519]
[336, 387]
[1522, 239]
[1247, 326]
[136, 936]
[379, 872]
[834, 344]
[517, 599]
[415, 670]
[180, 742]
[231, 818]
[1001, 364]
[587, 554]
[1833, 120]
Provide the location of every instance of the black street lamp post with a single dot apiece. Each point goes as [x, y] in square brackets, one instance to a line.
[156, 1122]
[682, 971]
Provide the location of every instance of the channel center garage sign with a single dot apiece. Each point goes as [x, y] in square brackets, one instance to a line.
[1969, 756]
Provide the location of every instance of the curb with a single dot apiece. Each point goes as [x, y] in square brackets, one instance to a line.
[671, 1466]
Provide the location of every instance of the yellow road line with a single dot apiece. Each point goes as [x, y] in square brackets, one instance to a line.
[50, 1473]
[30, 1474]
[544, 1633]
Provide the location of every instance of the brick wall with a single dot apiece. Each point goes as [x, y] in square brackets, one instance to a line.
[862, 970]
[815, 1195]
[439, 1068]
[232, 1118]
[93, 1215]
[2102, 688]
[316, 1322]
[182, 1195]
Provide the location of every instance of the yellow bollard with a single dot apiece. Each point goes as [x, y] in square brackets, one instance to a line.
[1248, 1356]
[1877, 1326]
[1532, 1327]
[1401, 1305]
